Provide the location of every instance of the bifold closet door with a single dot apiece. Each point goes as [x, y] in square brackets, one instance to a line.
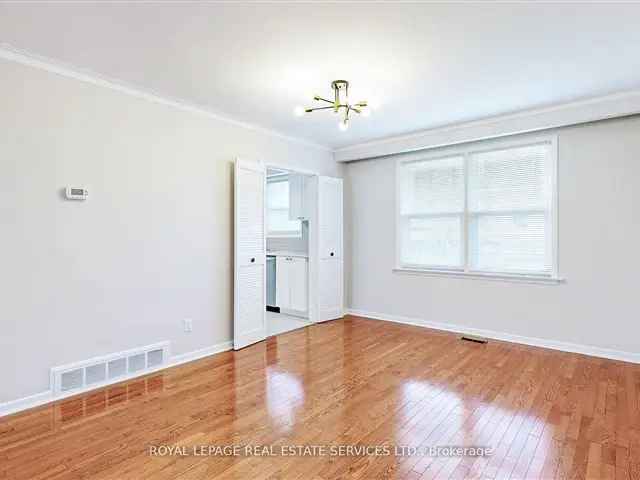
[330, 261]
[249, 323]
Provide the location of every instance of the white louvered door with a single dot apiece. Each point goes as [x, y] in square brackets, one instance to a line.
[249, 323]
[330, 264]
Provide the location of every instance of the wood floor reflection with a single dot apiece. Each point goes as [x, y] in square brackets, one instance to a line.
[355, 381]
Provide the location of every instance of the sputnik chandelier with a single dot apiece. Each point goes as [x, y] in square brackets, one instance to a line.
[340, 104]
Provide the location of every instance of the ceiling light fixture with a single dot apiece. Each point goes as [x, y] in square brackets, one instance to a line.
[340, 104]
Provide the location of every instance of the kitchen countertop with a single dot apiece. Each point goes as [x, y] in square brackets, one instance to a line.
[284, 253]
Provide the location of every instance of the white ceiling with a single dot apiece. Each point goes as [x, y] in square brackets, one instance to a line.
[427, 65]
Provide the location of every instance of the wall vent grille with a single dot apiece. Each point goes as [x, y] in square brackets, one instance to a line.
[96, 373]
[72, 379]
[108, 368]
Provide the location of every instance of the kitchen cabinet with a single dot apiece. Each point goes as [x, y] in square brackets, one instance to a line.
[298, 203]
[292, 284]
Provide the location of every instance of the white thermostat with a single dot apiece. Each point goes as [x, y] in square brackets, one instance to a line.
[76, 193]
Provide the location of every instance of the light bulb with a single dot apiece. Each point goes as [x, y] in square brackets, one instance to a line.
[298, 111]
[344, 125]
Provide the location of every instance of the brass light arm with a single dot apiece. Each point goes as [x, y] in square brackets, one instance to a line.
[320, 99]
[309, 110]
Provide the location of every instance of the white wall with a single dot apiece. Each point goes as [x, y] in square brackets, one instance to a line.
[151, 246]
[599, 181]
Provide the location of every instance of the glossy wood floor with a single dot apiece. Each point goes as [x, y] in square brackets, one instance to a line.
[354, 381]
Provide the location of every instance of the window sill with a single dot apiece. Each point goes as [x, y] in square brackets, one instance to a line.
[498, 277]
[276, 237]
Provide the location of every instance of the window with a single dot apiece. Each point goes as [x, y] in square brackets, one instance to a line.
[480, 210]
[278, 223]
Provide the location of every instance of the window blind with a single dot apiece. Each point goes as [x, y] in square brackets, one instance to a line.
[510, 210]
[481, 210]
[432, 211]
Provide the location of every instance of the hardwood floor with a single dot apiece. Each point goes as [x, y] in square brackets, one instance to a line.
[354, 381]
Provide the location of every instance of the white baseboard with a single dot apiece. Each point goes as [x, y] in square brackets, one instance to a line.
[198, 354]
[507, 337]
[42, 398]
[25, 403]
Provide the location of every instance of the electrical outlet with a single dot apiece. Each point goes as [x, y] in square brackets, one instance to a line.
[188, 325]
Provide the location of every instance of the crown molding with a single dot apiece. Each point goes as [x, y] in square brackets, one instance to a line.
[583, 111]
[24, 57]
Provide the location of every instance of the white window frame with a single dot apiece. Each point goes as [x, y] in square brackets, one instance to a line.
[280, 233]
[466, 272]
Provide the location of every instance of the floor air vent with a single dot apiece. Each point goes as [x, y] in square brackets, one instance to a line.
[108, 369]
[473, 338]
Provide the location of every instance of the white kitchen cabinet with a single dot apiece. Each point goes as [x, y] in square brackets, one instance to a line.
[298, 284]
[283, 290]
[292, 284]
[298, 204]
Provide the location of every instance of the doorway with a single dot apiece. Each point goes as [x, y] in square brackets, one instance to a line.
[288, 260]
[288, 212]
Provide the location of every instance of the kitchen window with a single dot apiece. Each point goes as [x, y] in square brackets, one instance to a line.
[278, 222]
